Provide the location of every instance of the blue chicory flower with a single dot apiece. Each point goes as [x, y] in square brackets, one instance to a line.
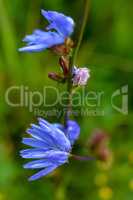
[60, 27]
[51, 146]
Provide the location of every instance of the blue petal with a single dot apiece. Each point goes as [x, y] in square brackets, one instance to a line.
[41, 40]
[59, 137]
[43, 172]
[42, 134]
[59, 126]
[61, 140]
[57, 157]
[44, 121]
[61, 23]
[44, 37]
[36, 164]
[33, 48]
[33, 153]
[35, 143]
[72, 131]
[37, 37]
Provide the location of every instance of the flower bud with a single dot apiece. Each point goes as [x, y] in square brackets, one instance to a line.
[63, 49]
[55, 77]
[64, 65]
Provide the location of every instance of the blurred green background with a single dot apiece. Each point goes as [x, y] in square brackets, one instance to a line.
[107, 49]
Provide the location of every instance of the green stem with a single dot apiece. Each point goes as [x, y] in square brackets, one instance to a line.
[72, 60]
[69, 90]
[81, 158]
[84, 22]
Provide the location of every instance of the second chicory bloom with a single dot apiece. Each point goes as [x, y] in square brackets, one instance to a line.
[60, 27]
[51, 146]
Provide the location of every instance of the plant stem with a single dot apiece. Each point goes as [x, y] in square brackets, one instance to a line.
[84, 22]
[82, 158]
[72, 60]
[69, 90]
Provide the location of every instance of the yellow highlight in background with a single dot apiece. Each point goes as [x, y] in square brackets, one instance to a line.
[105, 193]
[2, 196]
[130, 157]
[101, 179]
[131, 184]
